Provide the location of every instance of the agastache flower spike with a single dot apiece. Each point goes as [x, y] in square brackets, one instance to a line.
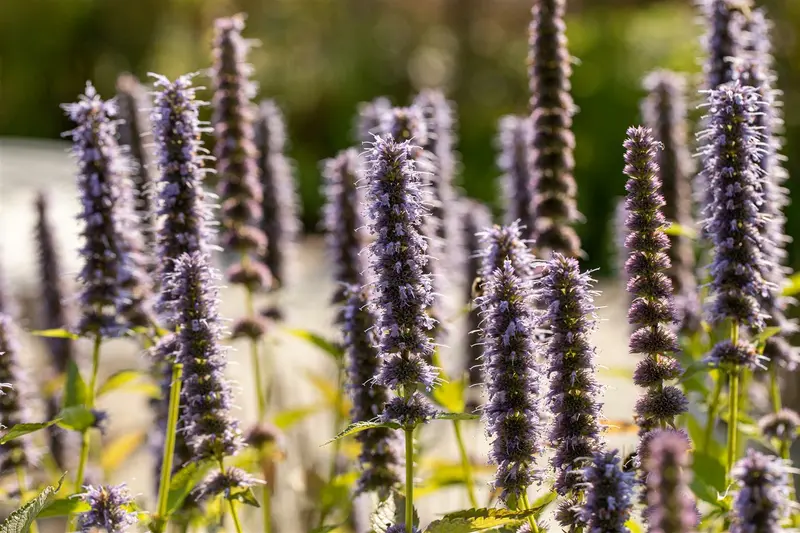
[664, 112]
[609, 494]
[368, 121]
[209, 428]
[108, 509]
[515, 138]
[762, 501]
[380, 457]
[782, 425]
[239, 187]
[109, 270]
[15, 403]
[513, 376]
[574, 388]
[652, 310]
[551, 160]
[279, 205]
[402, 291]
[502, 243]
[724, 41]
[671, 507]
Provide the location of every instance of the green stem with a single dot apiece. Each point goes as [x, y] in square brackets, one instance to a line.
[84, 454]
[255, 359]
[531, 520]
[733, 418]
[774, 388]
[712, 413]
[169, 446]
[337, 445]
[465, 465]
[266, 508]
[409, 479]
[235, 516]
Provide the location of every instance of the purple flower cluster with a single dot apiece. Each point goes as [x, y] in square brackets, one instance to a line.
[664, 111]
[279, 204]
[402, 292]
[111, 285]
[504, 243]
[570, 314]
[370, 115]
[109, 509]
[651, 311]
[514, 379]
[762, 501]
[16, 402]
[609, 494]
[671, 507]
[551, 159]
[782, 425]
[515, 138]
[223, 482]
[724, 41]
[380, 456]
[207, 425]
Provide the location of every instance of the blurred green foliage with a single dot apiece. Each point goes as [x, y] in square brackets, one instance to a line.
[319, 58]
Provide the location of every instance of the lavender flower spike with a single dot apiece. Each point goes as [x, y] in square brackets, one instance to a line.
[279, 223]
[402, 292]
[15, 403]
[762, 501]
[652, 311]
[370, 114]
[551, 160]
[739, 271]
[671, 505]
[108, 509]
[574, 388]
[380, 457]
[724, 41]
[609, 494]
[505, 243]
[515, 138]
[109, 270]
[209, 428]
[513, 378]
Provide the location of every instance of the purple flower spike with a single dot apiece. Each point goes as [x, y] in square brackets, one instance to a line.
[574, 388]
[513, 378]
[551, 159]
[652, 310]
[783, 425]
[239, 188]
[370, 116]
[515, 138]
[224, 483]
[279, 204]
[108, 509]
[505, 243]
[111, 284]
[724, 41]
[671, 507]
[16, 401]
[762, 501]
[208, 427]
[402, 292]
[380, 457]
[609, 494]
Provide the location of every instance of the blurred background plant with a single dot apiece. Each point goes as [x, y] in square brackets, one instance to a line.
[319, 58]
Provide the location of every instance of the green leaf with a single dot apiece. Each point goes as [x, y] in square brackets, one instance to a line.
[710, 470]
[290, 417]
[183, 482]
[449, 526]
[765, 334]
[358, 427]
[64, 507]
[55, 334]
[391, 511]
[20, 520]
[77, 418]
[450, 395]
[337, 493]
[457, 416]
[540, 504]
[119, 380]
[478, 520]
[439, 474]
[245, 496]
[319, 341]
[674, 229]
[75, 390]
[20, 430]
[792, 288]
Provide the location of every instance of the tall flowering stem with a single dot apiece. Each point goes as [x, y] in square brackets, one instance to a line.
[762, 500]
[576, 432]
[552, 108]
[609, 498]
[671, 507]
[652, 311]
[402, 291]
[514, 139]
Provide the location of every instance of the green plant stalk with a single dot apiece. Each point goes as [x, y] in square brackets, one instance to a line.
[409, 479]
[733, 419]
[23, 486]
[169, 446]
[712, 414]
[774, 388]
[266, 508]
[255, 359]
[235, 516]
[337, 424]
[469, 481]
[531, 519]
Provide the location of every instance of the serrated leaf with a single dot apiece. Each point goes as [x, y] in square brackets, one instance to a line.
[484, 518]
[674, 229]
[450, 395]
[119, 380]
[77, 418]
[64, 507]
[449, 526]
[358, 427]
[117, 451]
[75, 389]
[20, 520]
[20, 430]
[290, 417]
[245, 496]
[319, 341]
[457, 416]
[59, 333]
[183, 482]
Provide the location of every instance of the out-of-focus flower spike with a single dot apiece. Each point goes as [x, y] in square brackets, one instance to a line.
[514, 140]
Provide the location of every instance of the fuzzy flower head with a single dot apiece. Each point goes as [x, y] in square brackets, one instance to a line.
[609, 498]
[671, 505]
[724, 40]
[734, 222]
[15, 402]
[762, 501]
[514, 140]
[402, 293]
[110, 509]
[209, 428]
[573, 400]
[514, 380]
[727, 355]
[224, 482]
[783, 425]
[504, 243]
[279, 204]
[370, 115]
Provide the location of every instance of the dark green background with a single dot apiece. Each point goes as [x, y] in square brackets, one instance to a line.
[318, 58]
